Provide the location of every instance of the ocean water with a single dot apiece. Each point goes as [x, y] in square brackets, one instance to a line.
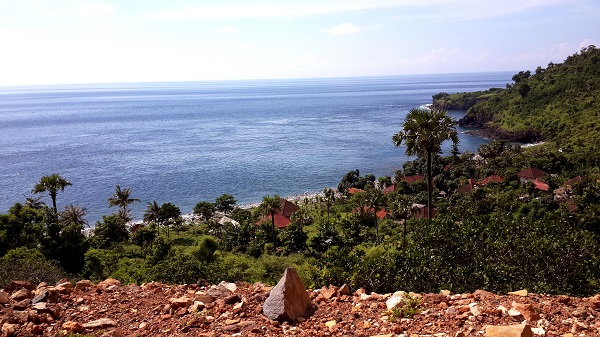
[193, 141]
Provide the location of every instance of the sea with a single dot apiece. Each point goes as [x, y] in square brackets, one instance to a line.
[185, 142]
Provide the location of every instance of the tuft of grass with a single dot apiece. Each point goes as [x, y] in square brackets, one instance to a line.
[410, 307]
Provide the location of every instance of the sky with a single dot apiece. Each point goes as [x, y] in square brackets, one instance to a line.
[81, 41]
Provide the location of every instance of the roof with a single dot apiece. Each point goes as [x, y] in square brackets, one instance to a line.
[389, 189]
[491, 179]
[573, 181]
[280, 220]
[287, 208]
[381, 214]
[353, 190]
[412, 179]
[540, 185]
[531, 173]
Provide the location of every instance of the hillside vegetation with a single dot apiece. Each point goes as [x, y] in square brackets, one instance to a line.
[496, 226]
[560, 103]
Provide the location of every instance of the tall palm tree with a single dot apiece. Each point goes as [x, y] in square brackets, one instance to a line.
[122, 199]
[270, 206]
[52, 184]
[329, 198]
[423, 133]
[153, 214]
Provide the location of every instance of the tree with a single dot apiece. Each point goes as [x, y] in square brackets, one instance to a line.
[122, 200]
[152, 214]
[73, 215]
[34, 203]
[270, 206]
[112, 229]
[52, 184]
[169, 214]
[205, 210]
[329, 198]
[225, 203]
[423, 133]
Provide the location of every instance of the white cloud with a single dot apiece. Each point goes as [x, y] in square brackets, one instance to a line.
[98, 9]
[343, 29]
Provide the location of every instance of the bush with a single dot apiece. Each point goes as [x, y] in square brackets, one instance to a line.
[29, 265]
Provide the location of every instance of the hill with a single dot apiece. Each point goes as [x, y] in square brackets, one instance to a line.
[560, 103]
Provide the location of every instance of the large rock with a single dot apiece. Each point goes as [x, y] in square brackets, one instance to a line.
[288, 300]
[515, 330]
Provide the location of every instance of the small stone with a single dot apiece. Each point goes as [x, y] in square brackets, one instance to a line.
[21, 294]
[538, 331]
[515, 314]
[522, 293]
[101, 323]
[529, 312]
[9, 329]
[515, 330]
[329, 293]
[143, 326]
[330, 324]
[181, 302]
[83, 284]
[344, 290]
[4, 297]
[71, 326]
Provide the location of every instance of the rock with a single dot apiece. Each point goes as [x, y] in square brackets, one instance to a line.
[46, 296]
[228, 285]
[538, 331]
[233, 299]
[344, 290]
[395, 300]
[435, 298]
[21, 294]
[74, 327]
[288, 300]
[329, 292]
[527, 310]
[109, 282]
[66, 285]
[83, 284]
[516, 315]
[330, 324]
[101, 323]
[219, 291]
[181, 302]
[522, 293]
[204, 298]
[4, 297]
[16, 285]
[515, 330]
[482, 294]
[9, 329]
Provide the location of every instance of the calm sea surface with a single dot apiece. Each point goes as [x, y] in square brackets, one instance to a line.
[192, 141]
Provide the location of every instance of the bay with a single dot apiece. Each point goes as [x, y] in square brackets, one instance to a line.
[189, 141]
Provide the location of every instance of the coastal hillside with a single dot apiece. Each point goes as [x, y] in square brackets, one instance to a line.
[559, 103]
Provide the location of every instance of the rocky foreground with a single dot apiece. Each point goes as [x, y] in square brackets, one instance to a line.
[237, 309]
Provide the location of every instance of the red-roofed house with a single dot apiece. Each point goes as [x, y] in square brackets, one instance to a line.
[353, 190]
[491, 179]
[283, 215]
[572, 182]
[530, 174]
[389, 189]
[540, 185]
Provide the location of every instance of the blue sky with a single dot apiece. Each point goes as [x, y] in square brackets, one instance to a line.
[75, 41]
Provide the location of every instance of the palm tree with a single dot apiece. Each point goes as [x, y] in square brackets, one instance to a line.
[121, 199]
[34, 203]
[329, 197]
[153, 214]
[52, 184]
[423, 133]
[73, 215]
[270, 206]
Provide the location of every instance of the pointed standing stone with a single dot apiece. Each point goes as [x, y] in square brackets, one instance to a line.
[288, 300]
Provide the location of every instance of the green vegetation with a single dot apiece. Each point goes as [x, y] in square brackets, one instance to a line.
[497, 234]
[558, 104]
